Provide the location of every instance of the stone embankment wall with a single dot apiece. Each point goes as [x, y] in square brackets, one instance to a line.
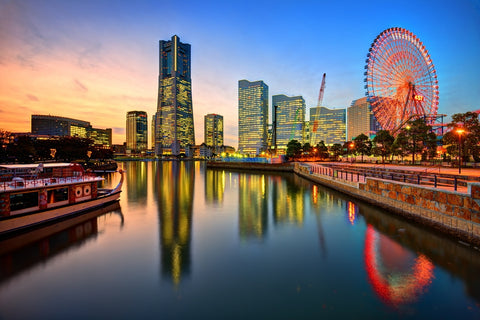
[452, 212]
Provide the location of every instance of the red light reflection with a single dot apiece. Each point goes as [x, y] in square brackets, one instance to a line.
[390, 284]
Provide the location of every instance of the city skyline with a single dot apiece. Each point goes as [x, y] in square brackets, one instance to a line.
[96, 60]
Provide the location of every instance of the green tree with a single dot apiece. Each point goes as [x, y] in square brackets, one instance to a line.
[363, 145]
[294, 148]
[22, 149]
[382, 144]
[322, 150]
[307, 148]
[419, 139]
[4, 141]
[470, 123]
[336, 149]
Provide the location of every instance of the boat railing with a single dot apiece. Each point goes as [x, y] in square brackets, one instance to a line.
[37, 182]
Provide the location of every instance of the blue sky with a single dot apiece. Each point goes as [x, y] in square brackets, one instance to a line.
[97, 60]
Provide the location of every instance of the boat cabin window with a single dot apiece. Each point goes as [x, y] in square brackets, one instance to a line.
[57, 195]
[25, 200]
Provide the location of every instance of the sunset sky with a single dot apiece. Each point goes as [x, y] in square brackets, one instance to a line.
[96, 60]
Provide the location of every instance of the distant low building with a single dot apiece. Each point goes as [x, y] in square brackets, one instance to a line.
[47, 125]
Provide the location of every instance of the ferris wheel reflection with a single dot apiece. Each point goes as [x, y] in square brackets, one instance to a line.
[397, 275]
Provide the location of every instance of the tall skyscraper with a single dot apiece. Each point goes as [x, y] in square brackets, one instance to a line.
[360, 119]
[252, 116]
[290, 119]
[137, 131]
[327, 125]
[174, 129]
[213, 130]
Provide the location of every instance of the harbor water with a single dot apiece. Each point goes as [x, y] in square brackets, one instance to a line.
[186, 242]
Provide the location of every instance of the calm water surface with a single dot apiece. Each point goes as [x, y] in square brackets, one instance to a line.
[191, 243]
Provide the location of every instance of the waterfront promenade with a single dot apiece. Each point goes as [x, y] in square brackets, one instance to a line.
[435, 196]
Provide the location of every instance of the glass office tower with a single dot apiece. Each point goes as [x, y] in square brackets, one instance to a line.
[252, 117]
[290, 119]
[213, 130]
[137, 131]
[174, 130]
[328, 125]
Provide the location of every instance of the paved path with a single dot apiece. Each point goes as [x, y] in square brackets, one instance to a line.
[466, 172]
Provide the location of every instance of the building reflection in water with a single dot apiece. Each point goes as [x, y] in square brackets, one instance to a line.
[397, 275]
[214, 186]
[287, 197]
[253, 206]
[175, 189]
[136, 176]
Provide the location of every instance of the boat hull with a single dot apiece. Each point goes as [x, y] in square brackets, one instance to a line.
[16, 223]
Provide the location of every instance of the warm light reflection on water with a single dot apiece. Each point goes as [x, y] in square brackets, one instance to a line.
[187, 242]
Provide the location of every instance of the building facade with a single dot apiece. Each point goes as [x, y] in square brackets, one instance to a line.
[61, 126]
[290, 119]
[328, 125]
[252, 117]
[360, 119]
[213, 130]
[137, 132]
[174, 128]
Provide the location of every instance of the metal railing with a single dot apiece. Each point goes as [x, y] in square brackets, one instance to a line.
[32, 183]
[354, 174]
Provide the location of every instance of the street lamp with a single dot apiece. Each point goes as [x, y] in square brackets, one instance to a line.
[351, 146]
[460, 131]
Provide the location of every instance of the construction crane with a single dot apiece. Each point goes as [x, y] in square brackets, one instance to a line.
[322, 91]
[313, 127]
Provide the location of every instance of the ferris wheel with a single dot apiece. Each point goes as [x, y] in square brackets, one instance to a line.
[401, 82]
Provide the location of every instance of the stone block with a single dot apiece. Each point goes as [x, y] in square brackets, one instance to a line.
[466, 213]
[475, 190]
[427, 194]
[475, 216]
[392, 194]
[419, 201]
[407, 190]
[441, 197]
[398, 188]
[372, 183]
[455, 199]
[462, 225]
[410, 199]
[381, 185]
[447, 221]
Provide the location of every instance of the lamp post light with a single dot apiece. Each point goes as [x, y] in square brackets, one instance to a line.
[351, 146]
[460, 131]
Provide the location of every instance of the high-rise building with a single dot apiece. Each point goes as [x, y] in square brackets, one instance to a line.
[290, 118]
[327, 125]
[360, 119]
[101, 137]
[174, 129]
[252, 116]
[137, 131]
[213, 130]
[60, 126]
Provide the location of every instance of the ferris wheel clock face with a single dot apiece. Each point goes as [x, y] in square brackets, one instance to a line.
[400, 78]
